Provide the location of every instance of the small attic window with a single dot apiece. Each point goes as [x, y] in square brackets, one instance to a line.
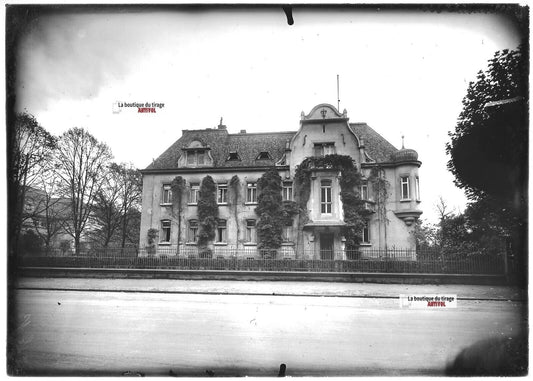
[263, 155]
[233, 156]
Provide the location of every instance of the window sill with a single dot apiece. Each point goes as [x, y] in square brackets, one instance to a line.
[365, 244]
[165, 204]
[405, 200]
[192, 203]
[220, 244]
[418, 200]
[164, 243]
[250, 244]
[250, 203]
[287, 244]
[191, 244]
[222, 203]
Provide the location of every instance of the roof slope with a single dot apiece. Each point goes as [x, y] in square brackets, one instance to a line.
[247, 145]
[376, 146]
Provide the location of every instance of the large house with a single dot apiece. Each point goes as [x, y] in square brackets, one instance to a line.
[223, 155]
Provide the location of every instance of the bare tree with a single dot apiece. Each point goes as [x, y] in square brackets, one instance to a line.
[107, 212]
[130, 197]
[443, 209]
[50, 211]
[29, 147]
[82, 160]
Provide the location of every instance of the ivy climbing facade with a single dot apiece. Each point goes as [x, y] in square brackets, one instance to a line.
[332, 189]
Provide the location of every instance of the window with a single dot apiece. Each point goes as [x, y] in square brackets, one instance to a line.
[286, 233]
[404, 180]
[250, 231]
[263, 155]
[323, 149]
[366, 233]
[222, 193]
[167, 194]
[221, 232]
[233, 156]
[364, 192]
[417, 188]
[165, 228]
[287, 191]
[325, 196]
[251, 192]
[193, 231]
[196, 157]
[193, 193]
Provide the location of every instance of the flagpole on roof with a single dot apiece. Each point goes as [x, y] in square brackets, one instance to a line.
[338, 99]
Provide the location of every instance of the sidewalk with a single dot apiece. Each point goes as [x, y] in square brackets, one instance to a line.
[324, 289]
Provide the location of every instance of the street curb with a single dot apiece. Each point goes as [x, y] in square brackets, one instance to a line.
[365, 296]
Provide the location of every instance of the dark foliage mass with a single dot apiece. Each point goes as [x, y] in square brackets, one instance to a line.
[488, 153]
[269, 210]
[207, 215]
[489, 149]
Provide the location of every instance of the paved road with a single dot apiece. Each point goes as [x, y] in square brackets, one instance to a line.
[108, 333]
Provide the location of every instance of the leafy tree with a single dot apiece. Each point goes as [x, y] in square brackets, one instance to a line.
[31, 242]
[207, 215]
[81, 163]
[269, 210]
[30, 147]
[488, 149]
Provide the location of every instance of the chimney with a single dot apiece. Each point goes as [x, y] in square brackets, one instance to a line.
[242, 132]
[221, 126]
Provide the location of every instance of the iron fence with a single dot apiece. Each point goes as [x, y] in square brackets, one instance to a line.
[372, 261]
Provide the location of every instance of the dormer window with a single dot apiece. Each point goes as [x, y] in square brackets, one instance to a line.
[263, 155]
[233, 156]
[196, 157]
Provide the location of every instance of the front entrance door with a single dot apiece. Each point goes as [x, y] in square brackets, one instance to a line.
[326, 246]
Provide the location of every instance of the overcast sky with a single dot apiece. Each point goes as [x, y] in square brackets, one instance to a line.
[403, 73]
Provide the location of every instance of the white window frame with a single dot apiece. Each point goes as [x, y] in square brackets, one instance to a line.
[194, 190]
[417, 188]
[286, 234]
[194, 154]
[326, 202]
[251, 193]
[404, 181]
[323, 149]
[251, 231]
[287, 191]
[166, 230]
[222, 193]
[166, 194]
[192, 235]
[222, 231]
[364, 192]
[366, 228]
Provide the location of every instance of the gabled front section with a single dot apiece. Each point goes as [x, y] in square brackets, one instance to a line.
[389, 190]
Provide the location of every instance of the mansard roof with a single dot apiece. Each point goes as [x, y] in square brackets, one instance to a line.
[247, 145]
